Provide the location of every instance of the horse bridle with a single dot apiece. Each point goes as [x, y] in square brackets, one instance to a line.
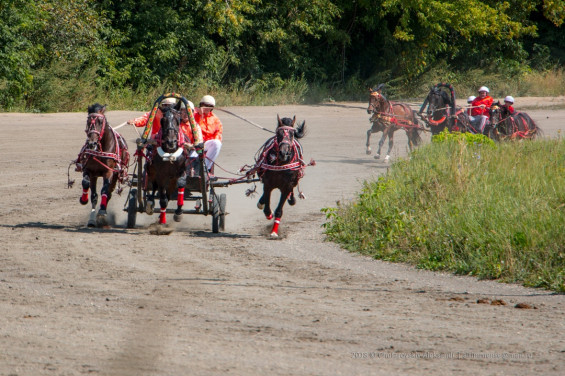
[172, 128]
[92, 129]
[287, 138]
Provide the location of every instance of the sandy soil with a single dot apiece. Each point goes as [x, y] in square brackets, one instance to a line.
[119, 301]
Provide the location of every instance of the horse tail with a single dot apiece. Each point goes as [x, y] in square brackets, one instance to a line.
[416, 137]
[300, 130]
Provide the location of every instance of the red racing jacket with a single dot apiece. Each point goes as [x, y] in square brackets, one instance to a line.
[476, 111]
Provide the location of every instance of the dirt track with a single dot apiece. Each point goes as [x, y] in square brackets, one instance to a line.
[80, 301]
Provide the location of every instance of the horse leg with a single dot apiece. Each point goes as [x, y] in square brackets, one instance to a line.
[368, 143]
[381, 143]
[410, 135]
[264, 202]
[85, 187]
[93, 201]
[291, 199]
[181, 184]
[279, 212]
[150, 202]
[163, 202]
[390, 143]
[105, 195]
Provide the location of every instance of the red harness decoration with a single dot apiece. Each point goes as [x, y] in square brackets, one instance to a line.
[267, 156]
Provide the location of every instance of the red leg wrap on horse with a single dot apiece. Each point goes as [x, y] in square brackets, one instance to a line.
[180, 197]
[276, 225]
[270, 216]
[84, 197]
[103, 201]
[163, 216]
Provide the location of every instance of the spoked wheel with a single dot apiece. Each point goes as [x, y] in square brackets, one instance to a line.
[132, 208]
[218, 213]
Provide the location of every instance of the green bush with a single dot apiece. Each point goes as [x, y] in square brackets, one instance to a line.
[492, 211]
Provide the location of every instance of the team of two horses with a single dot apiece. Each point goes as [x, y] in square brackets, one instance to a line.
[441, 113]
[105, 154]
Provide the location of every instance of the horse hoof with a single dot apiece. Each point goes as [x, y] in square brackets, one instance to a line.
[274, 235]
[378, 156]
[260, 206]
[160, 229]
[269, 217]
[292, 201]
[177, 217]
[369, 151]
[387, 158]
[92, 219]
[149, 207]
[101, 221]
[83, 202]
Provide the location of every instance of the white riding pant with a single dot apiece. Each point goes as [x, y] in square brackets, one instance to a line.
[212, 149]
[479, 122]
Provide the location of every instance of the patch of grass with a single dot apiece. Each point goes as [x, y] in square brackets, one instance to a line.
[466, 206]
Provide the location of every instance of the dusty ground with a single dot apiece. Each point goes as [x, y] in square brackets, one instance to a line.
[115, 301]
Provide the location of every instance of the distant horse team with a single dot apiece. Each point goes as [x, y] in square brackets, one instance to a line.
[439, 112]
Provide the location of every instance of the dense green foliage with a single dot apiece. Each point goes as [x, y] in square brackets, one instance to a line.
[470, 207]
[88, 48]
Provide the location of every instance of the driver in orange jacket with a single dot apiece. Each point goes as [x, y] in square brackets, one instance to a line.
[211, 129]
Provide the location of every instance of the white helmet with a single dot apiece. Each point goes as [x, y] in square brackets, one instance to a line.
[191, 105]
[483, 88]
[471, 98]
[169, 101]
[509, 98]
[208, 101]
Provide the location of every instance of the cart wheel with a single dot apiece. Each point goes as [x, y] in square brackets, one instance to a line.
[218, 212]
[132, 208]
[222, 212]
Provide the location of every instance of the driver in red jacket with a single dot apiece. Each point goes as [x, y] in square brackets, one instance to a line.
[480, 110]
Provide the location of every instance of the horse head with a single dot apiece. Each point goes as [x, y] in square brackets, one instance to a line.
[438, 102]
[95, 126]
[377, 102]
[285, 135]
[170, 124]
[495, 113]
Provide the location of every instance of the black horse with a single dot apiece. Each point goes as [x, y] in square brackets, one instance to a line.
[389, 117]
[105, 154]
[279, 165]
[505, 125]
[442, 113]
[165, 170]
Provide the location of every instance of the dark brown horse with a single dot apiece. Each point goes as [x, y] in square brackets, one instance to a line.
[279, 165]
[165, 170]
[105, 154]
[442, 113]
[388, 117]
[504, 125]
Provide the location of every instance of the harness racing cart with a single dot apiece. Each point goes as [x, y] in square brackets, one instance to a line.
[200, 188]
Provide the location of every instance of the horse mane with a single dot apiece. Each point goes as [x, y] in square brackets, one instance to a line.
[96, 108]
[446, 98]
[299, 131]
